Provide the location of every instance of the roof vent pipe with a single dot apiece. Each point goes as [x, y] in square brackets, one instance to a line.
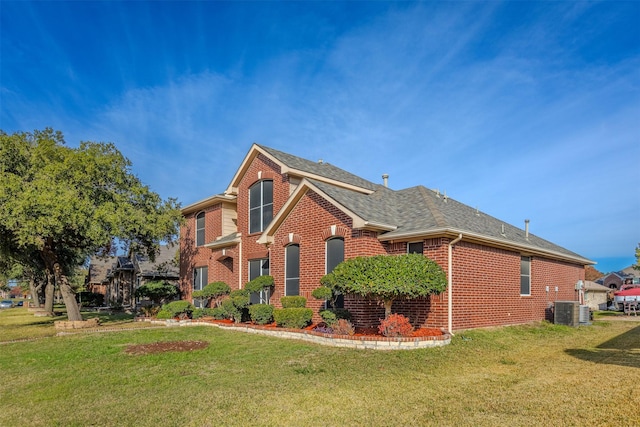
[385, 179]
[526, 229]
[320, 161]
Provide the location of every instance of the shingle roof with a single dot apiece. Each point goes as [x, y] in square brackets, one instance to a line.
[99, 268]
[418, 210]
[325, 170]
[162, 266]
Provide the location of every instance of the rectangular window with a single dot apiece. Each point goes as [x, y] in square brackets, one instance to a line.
[292, 270]
[200, 280]
[200, 229]
[525, 275]
[257, 268]
[414, 248]
[260, 206]
[335, 255]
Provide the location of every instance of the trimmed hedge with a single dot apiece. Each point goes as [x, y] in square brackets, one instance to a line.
[293, 301]
[294, 318]
[261, 313]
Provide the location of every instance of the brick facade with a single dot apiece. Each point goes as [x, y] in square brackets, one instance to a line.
[486, 280]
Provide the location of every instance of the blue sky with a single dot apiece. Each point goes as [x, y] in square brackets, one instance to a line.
[521, 109]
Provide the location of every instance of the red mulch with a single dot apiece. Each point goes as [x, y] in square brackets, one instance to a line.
[360, 332]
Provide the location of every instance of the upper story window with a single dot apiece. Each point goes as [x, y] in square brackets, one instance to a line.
[414, 248]
[525, 275]
[260, 205]
[200, 229]
[292, 270]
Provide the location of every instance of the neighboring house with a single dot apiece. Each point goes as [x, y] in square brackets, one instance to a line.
[117, 278]
[597, 296]
[296, 220]
[615, 280]
[98, 275]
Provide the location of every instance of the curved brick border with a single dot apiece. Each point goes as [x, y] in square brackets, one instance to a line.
[374, 343]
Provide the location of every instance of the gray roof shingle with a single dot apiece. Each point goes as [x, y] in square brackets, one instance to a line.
[418, 210]
[325, 170]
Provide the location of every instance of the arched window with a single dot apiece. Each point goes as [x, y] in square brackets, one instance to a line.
[260, 205]
[200, 229]
[292, 270]
[335, 253]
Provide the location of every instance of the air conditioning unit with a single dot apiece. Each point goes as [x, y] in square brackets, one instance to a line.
[585, 315]
[566, 313]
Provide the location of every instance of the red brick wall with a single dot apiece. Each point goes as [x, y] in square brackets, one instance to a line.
[311, 222]
[192, 256]
[486, 289]
[260, 168]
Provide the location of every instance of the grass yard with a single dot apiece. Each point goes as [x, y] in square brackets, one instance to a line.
[542, 375]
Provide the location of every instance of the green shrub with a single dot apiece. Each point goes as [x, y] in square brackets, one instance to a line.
[219, 313]
[294, 318]
[395, 325]
[164, 314]
[330, 316]
[259, 283]
[199, 313]
[293, 301]
[322, 293]
[261, 313]
[235, 306]
[212, 292]
[157, 291]
[179, 308]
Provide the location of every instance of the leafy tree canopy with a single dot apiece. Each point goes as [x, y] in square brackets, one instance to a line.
[387, 278]
[67, 203]
[157, 291]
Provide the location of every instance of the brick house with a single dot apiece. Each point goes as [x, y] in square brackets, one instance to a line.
[296, 219]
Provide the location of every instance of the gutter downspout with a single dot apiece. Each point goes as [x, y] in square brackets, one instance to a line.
[450, 284]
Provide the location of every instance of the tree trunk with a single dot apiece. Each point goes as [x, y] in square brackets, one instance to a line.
[68, 295]
[34, 290]
[48, 294]
[387, 307]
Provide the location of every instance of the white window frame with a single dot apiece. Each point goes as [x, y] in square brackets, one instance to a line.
[203, 228]
[286, 278]
[260, 208]
[195, 302]
[526, 259]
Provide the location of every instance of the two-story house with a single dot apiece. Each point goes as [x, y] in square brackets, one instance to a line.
[297, 219]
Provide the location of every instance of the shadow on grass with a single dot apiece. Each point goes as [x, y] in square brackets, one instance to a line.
[623, 350]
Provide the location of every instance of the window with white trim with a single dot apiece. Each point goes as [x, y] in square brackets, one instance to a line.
[292, 270]
[257, 268]
[200, 229]
[200, 279]
[260, 205]
[525, 275]
[334, 256]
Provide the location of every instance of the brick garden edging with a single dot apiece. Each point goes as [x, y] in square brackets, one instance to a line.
[358, 342]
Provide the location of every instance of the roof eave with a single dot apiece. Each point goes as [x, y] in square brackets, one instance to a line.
[491, 241]
[212, 200]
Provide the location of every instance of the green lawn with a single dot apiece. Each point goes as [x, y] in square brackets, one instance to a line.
[543, 375]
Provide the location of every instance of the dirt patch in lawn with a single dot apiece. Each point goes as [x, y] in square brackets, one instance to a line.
[164, 346]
